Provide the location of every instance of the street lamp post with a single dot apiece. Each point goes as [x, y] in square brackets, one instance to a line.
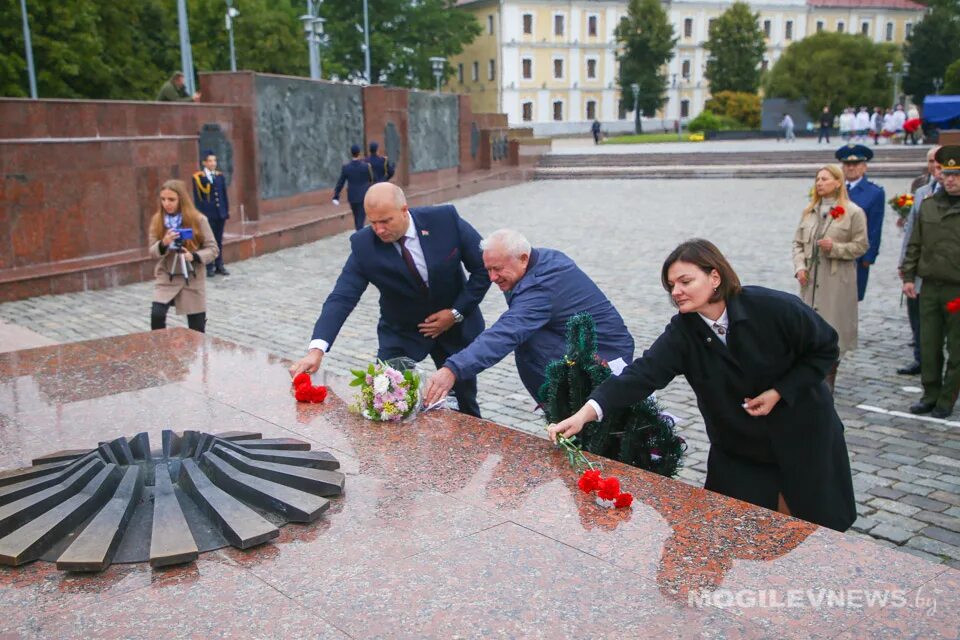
[366, 41]
[313, 27]
[902, 73]
[637, 127]
[231, 14]
[937, 85]
[438, 64]
[31, 72]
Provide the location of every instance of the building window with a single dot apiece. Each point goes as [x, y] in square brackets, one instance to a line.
[591, 110]
[764, 64]
[460, 73]
[558, 110]
[865, 28]
[527, 111]
[766, 28]
[819, 26]
[840, 26]
[621, 110]
[889, 35]
[527, 68]
[591, 68]
[528, 23]
[490, 25]
[685, 69]
[558, 25]
[592, 26]
[907, 29]
[788, 30]
[475, 72]
[710, 24]
[688, 27]
[491, 69]
[558, 69]
[684, 108]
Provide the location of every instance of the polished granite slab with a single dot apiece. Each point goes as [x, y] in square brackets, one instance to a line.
[449, 527]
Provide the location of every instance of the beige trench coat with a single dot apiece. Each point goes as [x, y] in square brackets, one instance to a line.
[188, 298]
[832, 285]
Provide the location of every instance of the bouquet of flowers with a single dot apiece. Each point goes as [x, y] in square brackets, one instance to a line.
[385, 393]
[902, 203]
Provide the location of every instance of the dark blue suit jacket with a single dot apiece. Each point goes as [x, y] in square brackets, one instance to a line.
[382, 169]
[448, 242]
[357, 175]
[212, 203]
[535, 325]
[870, 197]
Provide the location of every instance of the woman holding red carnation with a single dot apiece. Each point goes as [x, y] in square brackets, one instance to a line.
[831, 235]
[756, 359]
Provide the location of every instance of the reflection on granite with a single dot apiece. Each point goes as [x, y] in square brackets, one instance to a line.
[449, 526]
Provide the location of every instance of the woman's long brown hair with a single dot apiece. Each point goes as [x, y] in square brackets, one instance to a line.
[191, 217]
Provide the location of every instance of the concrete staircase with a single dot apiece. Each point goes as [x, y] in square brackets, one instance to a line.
[897, 161]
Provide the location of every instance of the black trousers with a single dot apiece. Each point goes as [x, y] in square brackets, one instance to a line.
[217, 225]
[464, 389]
[824, 132]
[359, 215]
[158, 318]
[913, 314]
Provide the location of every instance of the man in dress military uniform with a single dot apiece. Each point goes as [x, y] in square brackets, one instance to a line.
[380, 165]
[933, 253]
[869, 197]
[210, 196]
[358, 176]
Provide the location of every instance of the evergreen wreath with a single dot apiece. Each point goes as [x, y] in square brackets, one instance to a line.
[639, 435]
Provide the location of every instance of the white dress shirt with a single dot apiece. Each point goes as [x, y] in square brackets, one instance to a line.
[723, 322]
[420, 262]
[851, 185]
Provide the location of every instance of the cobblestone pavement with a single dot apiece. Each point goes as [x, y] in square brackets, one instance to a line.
[907, 470]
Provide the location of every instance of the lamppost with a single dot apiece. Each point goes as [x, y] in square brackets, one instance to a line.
[231, 14]
[637, 127]
[366, 41]
[31, 73]
[937, 85]
[438, 65]
[903, 72]
[313, 27]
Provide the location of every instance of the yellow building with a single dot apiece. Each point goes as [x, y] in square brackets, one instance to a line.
[552, 64]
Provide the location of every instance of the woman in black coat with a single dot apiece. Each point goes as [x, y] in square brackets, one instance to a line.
[756, 359]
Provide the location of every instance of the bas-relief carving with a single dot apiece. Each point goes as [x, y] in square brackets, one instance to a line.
[304, 133]
[213, 139]
[391, 141]
[434, 131]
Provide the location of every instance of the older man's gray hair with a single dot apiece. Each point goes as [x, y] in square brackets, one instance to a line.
[512, 242]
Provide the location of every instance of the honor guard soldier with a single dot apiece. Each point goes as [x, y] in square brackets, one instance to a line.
[358, 176]
[933, 253]
[869, 197]
[380, 165]
[210, 196]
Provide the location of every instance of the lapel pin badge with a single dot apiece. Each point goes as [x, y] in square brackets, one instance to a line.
[424, 232]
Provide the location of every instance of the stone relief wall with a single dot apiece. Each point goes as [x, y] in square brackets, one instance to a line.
[434, 137]
[304, 133]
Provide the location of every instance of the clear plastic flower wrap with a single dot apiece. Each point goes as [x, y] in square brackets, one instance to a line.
[388, 391]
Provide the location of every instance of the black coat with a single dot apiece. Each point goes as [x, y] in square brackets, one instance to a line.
[774, 341]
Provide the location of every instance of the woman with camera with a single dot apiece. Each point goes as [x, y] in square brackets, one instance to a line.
[182, 241]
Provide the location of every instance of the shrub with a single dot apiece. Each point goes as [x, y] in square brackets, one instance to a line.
[742, 107]
[708, 121]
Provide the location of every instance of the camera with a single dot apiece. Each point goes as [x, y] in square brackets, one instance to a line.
[185, 234]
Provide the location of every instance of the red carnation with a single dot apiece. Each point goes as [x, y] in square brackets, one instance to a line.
[589, 481]
[954, 305]
[609, 488]
[310, 393]
[623, 501]
[301, 379]
[836, 212]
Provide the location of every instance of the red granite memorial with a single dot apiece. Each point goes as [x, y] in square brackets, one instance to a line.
[447, 526]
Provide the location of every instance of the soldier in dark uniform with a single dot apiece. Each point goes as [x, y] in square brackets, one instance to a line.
[358, 176]
[869, 197]
[381, 166]
[210, 196]
[933, 253]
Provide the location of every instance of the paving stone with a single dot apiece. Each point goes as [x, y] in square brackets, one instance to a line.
[934, 547]
[939, 519]
[926, 504]
[889, 532]
[943, 535]
[894, 507]
[929, 557]
[898, 521]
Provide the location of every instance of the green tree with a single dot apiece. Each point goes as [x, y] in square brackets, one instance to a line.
[933, 44]
[951, 78]
[404, 35]
[646, 40]
[835, 69]
[736, 45]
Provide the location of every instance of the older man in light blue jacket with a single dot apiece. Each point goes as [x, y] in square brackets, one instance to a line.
[543, 288]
